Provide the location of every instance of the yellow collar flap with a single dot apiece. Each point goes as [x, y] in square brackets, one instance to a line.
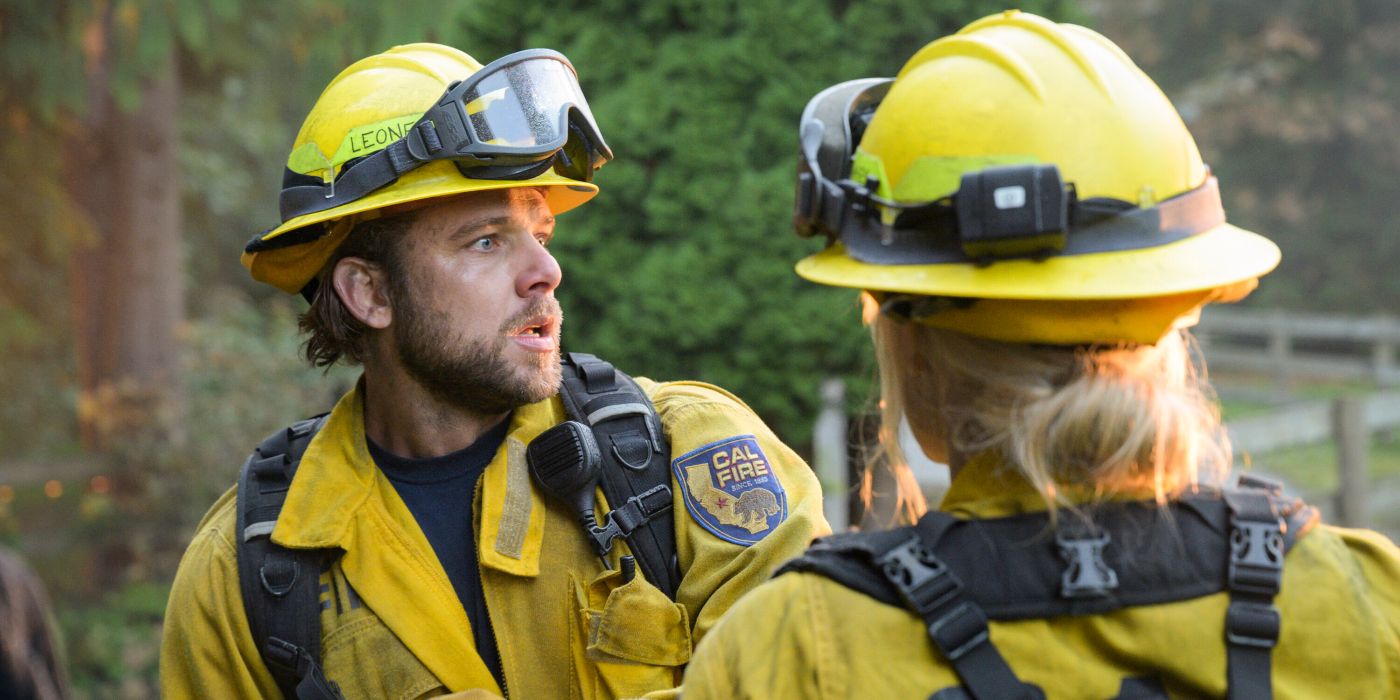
[511, 510]
[986, 487]
[335, 478]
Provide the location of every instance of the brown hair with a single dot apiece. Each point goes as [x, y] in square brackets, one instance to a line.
[333, 332]
[29, 663]
[1104, 419]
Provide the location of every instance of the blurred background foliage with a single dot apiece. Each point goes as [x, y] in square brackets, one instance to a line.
[1296, 107]
[681, 268]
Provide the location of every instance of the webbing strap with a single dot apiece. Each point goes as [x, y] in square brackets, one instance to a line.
[636, 475]
[1255, 575]
[280, 586]
[362, 177]
[956, 624]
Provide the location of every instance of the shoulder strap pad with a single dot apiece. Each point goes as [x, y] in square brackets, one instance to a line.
[847, 558]
[634, 454]
[280, 586]
[1234, 541]
[1132, 554]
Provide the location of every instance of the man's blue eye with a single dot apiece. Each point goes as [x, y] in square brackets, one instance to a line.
[485, 243]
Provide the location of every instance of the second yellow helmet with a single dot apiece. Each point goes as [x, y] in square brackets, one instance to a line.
[1021, 180]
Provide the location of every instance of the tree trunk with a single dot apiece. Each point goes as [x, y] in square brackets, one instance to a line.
[127, 280]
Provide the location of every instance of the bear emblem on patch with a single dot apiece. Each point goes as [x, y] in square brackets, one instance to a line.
[731, 489]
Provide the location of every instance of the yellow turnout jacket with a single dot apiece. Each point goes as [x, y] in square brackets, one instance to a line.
[804, 636]
[392, 625]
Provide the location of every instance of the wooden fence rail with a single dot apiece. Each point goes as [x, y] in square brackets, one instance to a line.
[1349, 421]
[1290, 345]
[1310, 422]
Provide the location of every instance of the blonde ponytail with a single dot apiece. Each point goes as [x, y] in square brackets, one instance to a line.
[1109, 419]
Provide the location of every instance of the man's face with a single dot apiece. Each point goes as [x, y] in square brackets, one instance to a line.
[474, 316]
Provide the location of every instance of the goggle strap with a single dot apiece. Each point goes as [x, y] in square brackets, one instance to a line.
[420, 145]
[365, 176]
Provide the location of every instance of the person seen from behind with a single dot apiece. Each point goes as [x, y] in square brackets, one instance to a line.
[1034, 231]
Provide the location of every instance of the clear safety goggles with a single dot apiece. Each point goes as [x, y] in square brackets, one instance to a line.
[514, 119]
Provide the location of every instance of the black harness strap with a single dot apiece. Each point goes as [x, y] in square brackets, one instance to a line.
[636, 477]
[280, 586]
[1252, 622]
[957, 625]
[1127, 554]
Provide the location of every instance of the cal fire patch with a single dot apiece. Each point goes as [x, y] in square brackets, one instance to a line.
[731, 489]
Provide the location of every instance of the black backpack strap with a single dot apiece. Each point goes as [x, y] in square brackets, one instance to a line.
[900, 567]
[954, 621]
[1258, 542]
[845, 558]
[636, 477]
[280, 586]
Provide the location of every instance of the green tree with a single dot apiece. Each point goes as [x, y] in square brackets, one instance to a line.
[130, 143]
[130, 151]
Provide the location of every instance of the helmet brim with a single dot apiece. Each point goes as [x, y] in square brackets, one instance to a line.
[1220, 257]
[442, 180]
[291, 268]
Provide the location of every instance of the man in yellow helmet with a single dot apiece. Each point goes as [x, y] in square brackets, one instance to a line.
[1033, 231]
[458, 523]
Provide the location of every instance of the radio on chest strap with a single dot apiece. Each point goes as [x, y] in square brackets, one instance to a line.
[634, 454]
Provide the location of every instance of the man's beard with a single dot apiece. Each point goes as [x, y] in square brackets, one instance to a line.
[473, 375]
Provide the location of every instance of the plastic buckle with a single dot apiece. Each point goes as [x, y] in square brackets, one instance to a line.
[1086, 574]
[934, 591]
[1256, 557]
[924, 581]
[636, 512]
[1252, 624]
[288, 656]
